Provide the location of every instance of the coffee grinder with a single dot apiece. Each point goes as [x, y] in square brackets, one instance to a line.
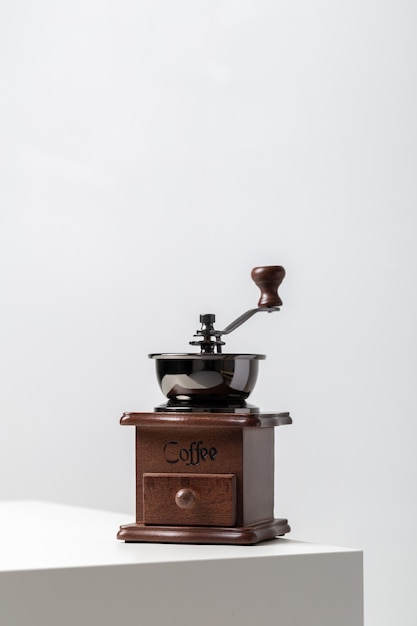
[205, 458]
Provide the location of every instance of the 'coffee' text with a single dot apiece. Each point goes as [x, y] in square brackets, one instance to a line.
[192, 455]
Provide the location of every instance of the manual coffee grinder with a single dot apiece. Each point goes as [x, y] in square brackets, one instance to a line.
[205, 458]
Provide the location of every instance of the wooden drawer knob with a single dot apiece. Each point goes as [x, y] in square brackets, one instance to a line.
[185, 498]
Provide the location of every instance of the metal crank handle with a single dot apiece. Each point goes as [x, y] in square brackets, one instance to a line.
[268, 278]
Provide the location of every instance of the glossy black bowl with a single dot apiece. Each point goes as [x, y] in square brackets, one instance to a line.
[205, 379]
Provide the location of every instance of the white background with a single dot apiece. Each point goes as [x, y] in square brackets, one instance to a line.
[151, 154]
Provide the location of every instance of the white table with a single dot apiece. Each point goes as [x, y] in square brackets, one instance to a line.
[62, 565]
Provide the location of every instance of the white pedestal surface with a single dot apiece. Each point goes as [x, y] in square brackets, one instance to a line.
[62, 566]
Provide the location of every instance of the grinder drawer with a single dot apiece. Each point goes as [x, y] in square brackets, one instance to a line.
[189, 499]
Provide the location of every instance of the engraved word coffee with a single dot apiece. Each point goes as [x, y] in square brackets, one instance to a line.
[192, 455]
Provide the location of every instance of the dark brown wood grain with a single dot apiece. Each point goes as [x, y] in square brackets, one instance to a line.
[200, 483]
[156, 454]
[249, 535]
[154, 419]
[189, 499]
[268, 279]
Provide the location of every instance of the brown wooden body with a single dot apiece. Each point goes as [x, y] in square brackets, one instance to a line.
[204, 478]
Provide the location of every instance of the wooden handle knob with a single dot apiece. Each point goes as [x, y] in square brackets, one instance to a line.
[185, 498]
[268, 279]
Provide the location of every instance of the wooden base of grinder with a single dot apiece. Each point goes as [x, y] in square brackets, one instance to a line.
[204, 534]
[204, 478]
